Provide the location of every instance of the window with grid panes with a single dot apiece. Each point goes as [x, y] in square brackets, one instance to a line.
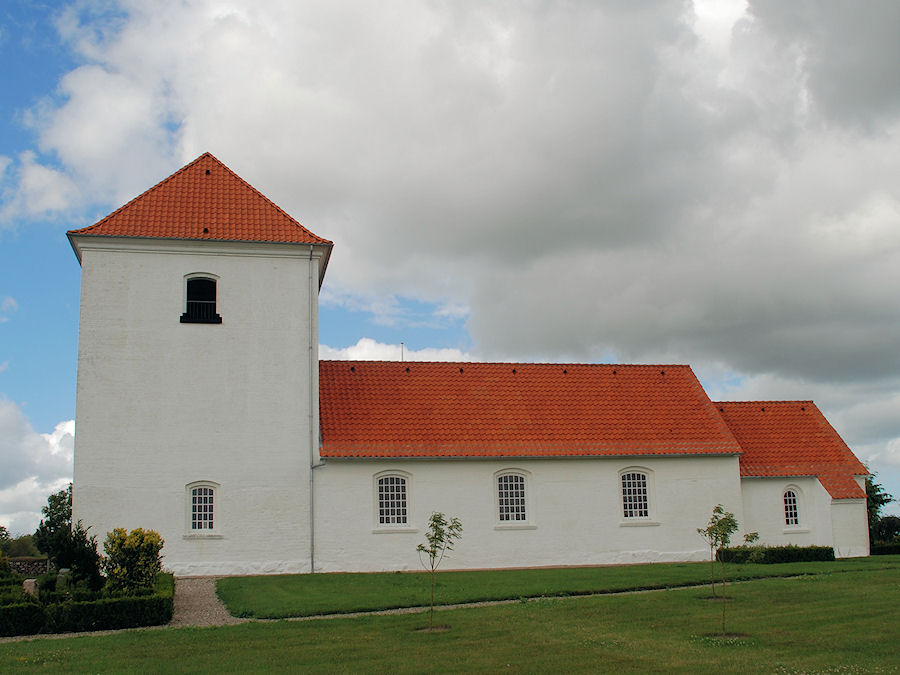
[791, 513]
[392, 500]
[202, 507]
[511, 497]
[635, 502]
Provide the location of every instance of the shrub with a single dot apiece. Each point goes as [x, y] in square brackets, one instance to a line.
[885, 547]
[775, 554]
[133, 560]
[150, 609]
[4, 565]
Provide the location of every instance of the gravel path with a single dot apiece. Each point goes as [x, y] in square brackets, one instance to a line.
[196, 604]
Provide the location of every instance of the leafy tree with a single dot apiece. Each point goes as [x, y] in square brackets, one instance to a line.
[22, 547]
[67, 545]
[718, 533]
[133, 559]
[4, 540]
[439, 538]
[54, 532]
[876, 499]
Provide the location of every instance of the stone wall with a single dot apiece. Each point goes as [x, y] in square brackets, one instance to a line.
[30, 567]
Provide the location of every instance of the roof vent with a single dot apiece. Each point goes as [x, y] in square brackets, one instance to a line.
[352, 369]
[407, 369]
[802, 407]
[514, 371]
[205, 230]
[207, 172]
[662, 372]
[763, 408]
[460, 370]
[565, 372]
[614, 372]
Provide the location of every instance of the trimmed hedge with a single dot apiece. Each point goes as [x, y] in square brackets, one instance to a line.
[86, 615]
[775, 554]
[885, 548]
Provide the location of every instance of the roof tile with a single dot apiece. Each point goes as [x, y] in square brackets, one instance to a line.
[424, 409]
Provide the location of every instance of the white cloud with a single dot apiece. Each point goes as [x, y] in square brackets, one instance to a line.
[32, 466]
[367, 349]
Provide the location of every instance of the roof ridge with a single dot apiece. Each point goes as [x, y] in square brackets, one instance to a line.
[768, 402]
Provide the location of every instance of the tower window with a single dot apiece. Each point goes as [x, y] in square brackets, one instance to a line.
[201, 301]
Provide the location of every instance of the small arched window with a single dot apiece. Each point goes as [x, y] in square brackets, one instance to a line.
[791, 508]
[200, 305]
[202, 505]
[635, 495]
[511, 498]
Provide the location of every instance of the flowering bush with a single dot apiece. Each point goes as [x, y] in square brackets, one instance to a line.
[132, 559]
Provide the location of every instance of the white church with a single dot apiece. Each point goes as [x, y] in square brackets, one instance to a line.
[203, 412]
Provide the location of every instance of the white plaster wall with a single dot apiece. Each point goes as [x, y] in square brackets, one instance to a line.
[823, 521]
[574, 506]
[850, 528]
[161, 404]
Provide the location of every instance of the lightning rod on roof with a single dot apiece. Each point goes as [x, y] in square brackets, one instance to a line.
[401, 352]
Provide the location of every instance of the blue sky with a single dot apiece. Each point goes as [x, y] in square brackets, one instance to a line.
[695, 182]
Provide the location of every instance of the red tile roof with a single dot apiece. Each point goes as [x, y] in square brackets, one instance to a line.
[203, 200]
[793, 438]
[418, 409]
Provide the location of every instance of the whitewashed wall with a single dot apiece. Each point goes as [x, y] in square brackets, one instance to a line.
[162, 404]
[574, 506]
[840, 523]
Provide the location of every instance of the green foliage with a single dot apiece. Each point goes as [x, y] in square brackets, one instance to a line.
[717, 533]
[886, 548]
[751, 538]
[876, 499]
[68, 612]
[887, 528]
[133, 559]
[52, 535]
[23, 547]
[769, 555]
[439, 538]
[4, 564]
[4, 540]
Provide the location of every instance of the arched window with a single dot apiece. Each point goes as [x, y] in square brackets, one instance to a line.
[393, 507]
[511, 504]
[635, 494]
[202, 503]
[791, 508]
[200, 303]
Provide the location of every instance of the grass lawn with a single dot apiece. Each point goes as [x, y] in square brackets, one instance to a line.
[275, 597]
[832, 623]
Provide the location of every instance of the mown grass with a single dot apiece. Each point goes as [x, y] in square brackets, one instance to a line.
[275, 597]
[844, 623]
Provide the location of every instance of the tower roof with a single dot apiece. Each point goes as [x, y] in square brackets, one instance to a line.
[203, 200]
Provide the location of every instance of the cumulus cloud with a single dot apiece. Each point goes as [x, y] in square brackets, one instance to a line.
[8, 305]
[367, 349]
[32, 466]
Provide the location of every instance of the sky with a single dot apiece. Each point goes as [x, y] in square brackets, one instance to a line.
[711, 182]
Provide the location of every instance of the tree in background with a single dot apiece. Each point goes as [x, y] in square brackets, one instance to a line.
[718, 533]
[439, 539]
[887, 528]
[876, 499]
[67, 545]
[4, 540]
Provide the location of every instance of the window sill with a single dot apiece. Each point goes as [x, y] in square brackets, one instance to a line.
[515, 526]
[796, 530]
[203, 536]
[394, 530]
[187, 319]
[639, 523]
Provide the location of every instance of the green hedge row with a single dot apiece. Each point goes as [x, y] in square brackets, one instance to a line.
[27, 618]
[775, 554]
[885, 547]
